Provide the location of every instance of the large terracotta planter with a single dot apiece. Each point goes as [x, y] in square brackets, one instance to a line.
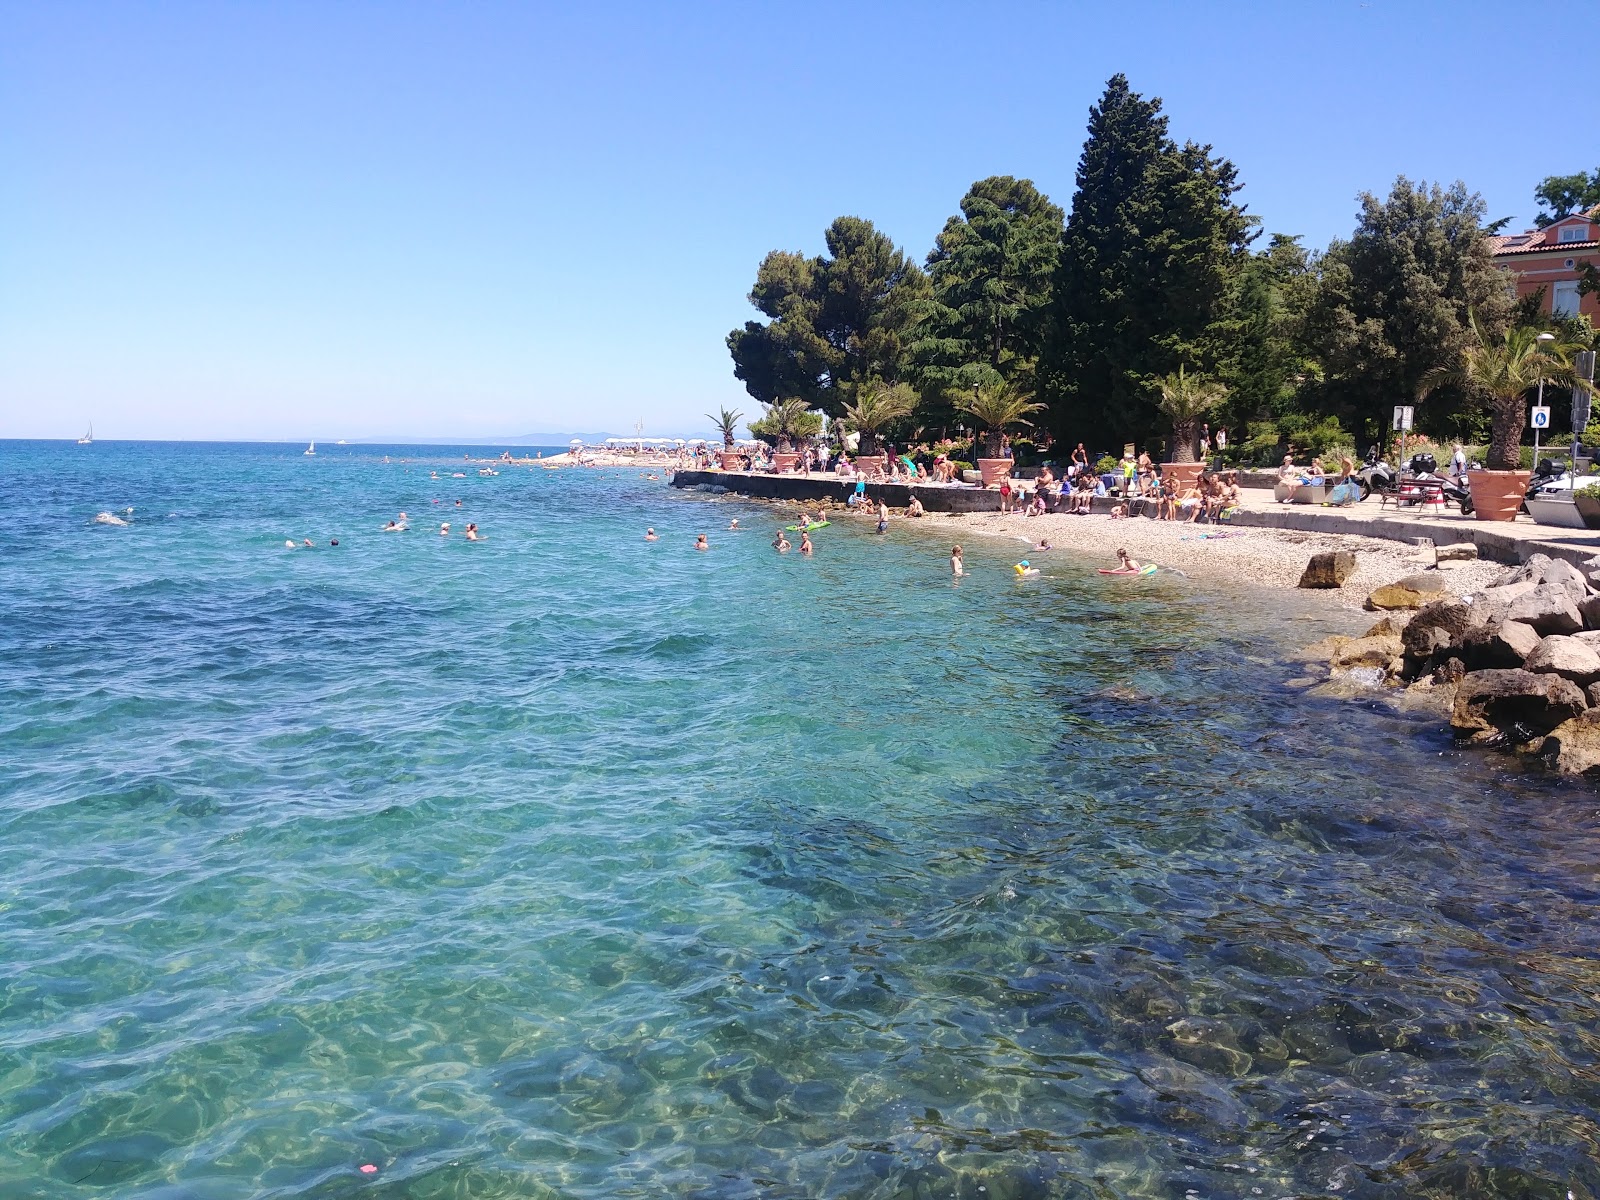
[866, 462]
[993, 470]
[784, 460]
[1184, 474]
[1497, 495]
[731, 460]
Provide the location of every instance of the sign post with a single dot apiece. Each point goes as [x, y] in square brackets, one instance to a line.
[1540, 420]
[1583, 368]
[1403, 414]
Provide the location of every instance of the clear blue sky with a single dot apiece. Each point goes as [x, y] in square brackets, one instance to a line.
[300, 220]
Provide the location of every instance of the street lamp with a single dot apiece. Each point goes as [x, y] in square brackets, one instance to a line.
[1543, 337]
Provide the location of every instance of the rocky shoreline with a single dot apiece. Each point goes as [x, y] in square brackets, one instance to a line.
[1513, 666]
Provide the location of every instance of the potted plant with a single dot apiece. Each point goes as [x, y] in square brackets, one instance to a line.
[1504, 370]
[786, 422]
[726, 423]
[1184, 400]
[876, 405]
[1587, 500]
[998, 408]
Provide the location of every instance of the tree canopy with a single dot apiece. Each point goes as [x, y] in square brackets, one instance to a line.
[1146, 268]
[1562, 195]
[990, 271]
[833, 320]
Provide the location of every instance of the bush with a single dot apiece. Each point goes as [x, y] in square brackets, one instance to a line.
[1590, 491]
[1107, 465]
[960, 465]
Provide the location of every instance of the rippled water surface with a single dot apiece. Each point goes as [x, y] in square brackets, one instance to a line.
[571, 865]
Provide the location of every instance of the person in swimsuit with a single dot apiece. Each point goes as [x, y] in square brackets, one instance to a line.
[700, 543]
[650, 536]
[1124, 563]
[955, 562]
[805, 543]
[780, 543]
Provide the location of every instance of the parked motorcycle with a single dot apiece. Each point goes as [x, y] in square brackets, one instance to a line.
[1376, 475]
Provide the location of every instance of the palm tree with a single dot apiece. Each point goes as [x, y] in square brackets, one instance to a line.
[787, 421]
[877, 405]
[1505, 370]
[998, 407]
[1185, 399]
[727, 423]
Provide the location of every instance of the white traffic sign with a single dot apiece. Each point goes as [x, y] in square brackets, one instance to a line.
[1541, 416]
[1402, 416]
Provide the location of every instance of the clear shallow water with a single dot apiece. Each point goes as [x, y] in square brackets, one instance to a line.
[568, 865]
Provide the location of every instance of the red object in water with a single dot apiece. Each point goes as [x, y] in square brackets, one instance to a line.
[368, 1169]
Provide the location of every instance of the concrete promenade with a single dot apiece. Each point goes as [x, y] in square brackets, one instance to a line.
[1500, 541]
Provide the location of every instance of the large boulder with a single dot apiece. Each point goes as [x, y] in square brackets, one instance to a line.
[1589, 610]
[1438, 626]
[1394, 622]
[1549, 608]
[1328, 570]
[1414, 591]
[1503, 645]
[1573, 747]
[1527, 572]
[1496, 706]
[1571, 658]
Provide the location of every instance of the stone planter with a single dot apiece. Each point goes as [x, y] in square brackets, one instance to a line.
[1589, 510]
[865, 463]
[731, 460]
[1497, 495]
[993, 470]
[784, 460]
[1184, 474]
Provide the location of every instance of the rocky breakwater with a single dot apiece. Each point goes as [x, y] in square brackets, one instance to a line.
[1515, 666]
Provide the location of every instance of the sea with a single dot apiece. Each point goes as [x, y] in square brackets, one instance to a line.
[571, 864]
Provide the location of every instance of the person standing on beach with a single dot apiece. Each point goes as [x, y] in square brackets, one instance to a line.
[955, 562]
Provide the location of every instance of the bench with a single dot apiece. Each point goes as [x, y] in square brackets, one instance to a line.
[1415, 491]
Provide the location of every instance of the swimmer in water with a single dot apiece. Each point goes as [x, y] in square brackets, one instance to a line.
[444, 529]
[1042, 546]
[472, 533]
[955, 562]
[458, 504]
[650, 536]
[733, 524]
[781, 543]
[805, 543]
[700, 543]
[107, 518]
[334, 542]
[307, 542]
[1125, 563]
[289, 545]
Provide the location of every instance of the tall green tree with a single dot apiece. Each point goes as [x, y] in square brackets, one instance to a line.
[1395, 303]
[1562, 195]
[990, 272]
[1144, 279]
[1269, 366]
[833, 320]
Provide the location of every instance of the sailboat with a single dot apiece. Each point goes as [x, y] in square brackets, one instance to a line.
[311, 449]
[88, 438]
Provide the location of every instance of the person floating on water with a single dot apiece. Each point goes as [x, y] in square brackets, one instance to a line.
[955, 562]
[1125, 563]
[1024, 569]
[700, 543]
[781, 543]
[650, 536]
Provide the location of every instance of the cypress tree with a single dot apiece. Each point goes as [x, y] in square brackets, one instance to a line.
[1145, 273]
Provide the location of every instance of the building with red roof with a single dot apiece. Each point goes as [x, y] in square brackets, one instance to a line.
[1552, 258]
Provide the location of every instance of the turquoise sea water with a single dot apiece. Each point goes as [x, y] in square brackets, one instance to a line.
[568, 865]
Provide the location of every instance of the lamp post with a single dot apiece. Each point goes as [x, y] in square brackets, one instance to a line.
[1543, 337]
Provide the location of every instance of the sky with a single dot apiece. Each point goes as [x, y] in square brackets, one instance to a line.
[362, 220]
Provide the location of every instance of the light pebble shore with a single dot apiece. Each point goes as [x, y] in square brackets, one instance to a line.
[1263, 557]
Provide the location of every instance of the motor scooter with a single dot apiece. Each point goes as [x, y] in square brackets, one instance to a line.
[1376, 475]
